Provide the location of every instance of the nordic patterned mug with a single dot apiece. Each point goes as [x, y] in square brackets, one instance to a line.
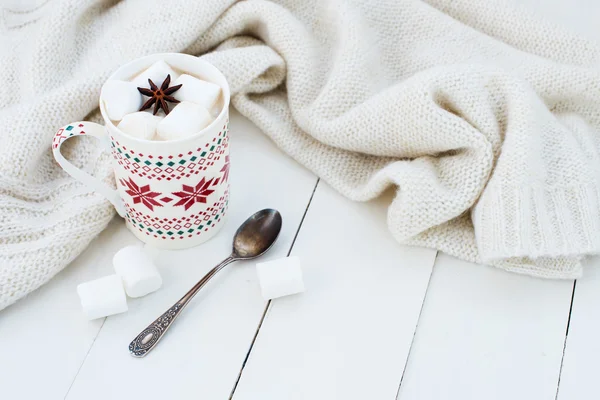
[172, 194]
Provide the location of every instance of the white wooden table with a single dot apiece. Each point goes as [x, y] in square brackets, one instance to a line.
[378, 321]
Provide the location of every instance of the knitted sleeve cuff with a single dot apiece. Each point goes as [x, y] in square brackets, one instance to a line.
[537, 222]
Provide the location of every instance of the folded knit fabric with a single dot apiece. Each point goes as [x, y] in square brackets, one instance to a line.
[482, 116]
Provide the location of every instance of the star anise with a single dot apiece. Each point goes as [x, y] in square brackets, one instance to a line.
[159, 97]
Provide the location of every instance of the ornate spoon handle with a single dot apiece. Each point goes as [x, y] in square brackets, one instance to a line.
[149, 337]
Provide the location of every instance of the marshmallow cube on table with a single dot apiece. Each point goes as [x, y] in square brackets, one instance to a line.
[120, 98]
[141, 124]
[137, 270]
[184, 120]
[157, 72]
[280, 277]
[197, 91]
[102, 297]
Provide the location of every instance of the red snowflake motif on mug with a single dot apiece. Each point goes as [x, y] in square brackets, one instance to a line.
[225, 170]
[191, 195]
[141, 194]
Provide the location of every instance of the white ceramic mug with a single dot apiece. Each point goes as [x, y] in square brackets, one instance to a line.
[172, 194]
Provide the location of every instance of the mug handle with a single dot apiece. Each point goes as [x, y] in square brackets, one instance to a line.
[98, 131]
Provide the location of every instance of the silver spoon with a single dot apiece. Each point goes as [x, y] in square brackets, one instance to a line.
[252, 239]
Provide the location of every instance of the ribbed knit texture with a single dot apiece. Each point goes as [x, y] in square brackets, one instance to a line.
[481, 115]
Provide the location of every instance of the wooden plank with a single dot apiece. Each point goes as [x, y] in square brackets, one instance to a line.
[348, 335]
[487, 334]
[202, 354]
[44, 337]
[581, 362]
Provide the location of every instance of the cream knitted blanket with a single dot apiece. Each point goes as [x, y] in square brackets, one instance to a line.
[482, 116]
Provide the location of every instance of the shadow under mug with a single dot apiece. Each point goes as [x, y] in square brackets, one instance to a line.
[172, 194]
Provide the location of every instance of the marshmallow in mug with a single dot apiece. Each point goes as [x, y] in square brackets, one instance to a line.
[197, 91]
[141, 124]
[120, 98]
[157, 72]
[184, 120]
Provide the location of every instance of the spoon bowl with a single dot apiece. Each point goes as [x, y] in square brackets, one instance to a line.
[257, 234]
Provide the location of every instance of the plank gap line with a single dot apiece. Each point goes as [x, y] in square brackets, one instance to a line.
[562, 358]
[262, 319]
[412, 341]
[85, 358]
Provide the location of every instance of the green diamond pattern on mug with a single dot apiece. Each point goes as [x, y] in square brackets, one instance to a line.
[64, 133]
[173, 166]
